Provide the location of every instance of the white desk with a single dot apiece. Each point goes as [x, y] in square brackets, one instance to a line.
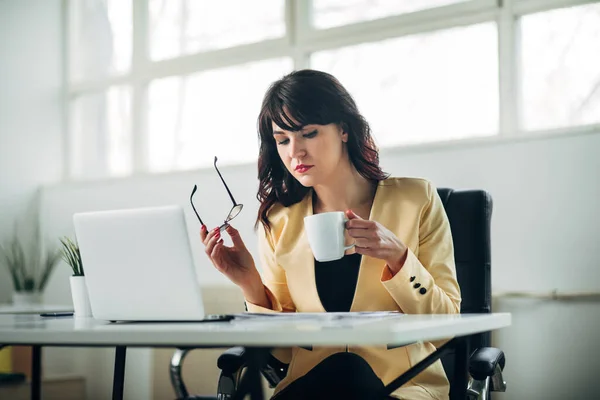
[267, 333]
[34, 308]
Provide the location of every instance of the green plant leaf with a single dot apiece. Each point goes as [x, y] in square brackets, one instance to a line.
[48, 266]
[29, 284]
[67, 256]
[19, 262]
[72, 256]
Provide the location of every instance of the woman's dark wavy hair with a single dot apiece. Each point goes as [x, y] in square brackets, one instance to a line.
[298, 99]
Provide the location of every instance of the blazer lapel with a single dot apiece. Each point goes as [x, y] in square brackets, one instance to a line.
[370, 294]
[295, 254]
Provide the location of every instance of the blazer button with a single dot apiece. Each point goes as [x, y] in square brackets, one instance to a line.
[412, 278]
[417, 285]
[423, 290]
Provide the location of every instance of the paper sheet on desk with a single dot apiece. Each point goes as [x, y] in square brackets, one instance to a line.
[327, 318]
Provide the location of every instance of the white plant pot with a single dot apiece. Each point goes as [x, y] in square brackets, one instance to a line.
[81, 300]
[26, 298]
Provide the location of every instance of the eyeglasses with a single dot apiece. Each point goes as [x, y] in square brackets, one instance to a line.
[235, 210]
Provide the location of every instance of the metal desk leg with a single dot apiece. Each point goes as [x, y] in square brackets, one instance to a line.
[251, 381]
[36, 373]
[461, 359]
[119, 374]
[256, 359]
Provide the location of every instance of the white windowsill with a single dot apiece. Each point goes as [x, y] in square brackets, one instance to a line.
[448, 145]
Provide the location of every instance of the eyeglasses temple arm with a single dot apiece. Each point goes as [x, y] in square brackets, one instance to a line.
[223, 180]
[192, 195]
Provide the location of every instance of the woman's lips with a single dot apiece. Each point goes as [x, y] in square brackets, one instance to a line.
[303, 168]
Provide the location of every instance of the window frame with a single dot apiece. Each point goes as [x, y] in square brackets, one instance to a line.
[300, 40]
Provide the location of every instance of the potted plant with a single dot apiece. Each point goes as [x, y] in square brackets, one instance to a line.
[29, 269]
[79, 293]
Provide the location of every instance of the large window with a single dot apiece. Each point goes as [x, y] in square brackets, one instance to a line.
[179, 27]
[164, 85]
[101, 144]
[330, 13]
[425, 87]
[193, 118]
[560, 64]
[101, 38]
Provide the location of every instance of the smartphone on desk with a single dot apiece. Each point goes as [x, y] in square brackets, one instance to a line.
[219, 317]
[57, 314]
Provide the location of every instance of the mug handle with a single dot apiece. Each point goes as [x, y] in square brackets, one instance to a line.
[353, 244]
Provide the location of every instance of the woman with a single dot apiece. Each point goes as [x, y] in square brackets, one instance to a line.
[317, 155]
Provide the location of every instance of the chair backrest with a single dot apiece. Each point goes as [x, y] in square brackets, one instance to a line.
[470, 213]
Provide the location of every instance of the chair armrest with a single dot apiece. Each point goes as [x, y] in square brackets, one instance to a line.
[232, 359]
[230, 362]
[483, 362]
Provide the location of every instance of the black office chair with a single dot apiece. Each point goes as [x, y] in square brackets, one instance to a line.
[469, 213]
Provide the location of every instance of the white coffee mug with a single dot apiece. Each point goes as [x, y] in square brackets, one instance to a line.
[325, 234]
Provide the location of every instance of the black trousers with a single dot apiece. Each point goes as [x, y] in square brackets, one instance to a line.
[340, 376]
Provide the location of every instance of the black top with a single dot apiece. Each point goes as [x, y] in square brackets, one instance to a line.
[336, 282]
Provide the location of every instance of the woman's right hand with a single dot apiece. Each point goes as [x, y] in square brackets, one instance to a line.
[235, 262]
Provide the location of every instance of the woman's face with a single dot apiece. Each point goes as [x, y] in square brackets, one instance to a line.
[314, 154]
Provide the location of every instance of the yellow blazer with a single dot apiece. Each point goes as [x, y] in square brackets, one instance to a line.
[412, 209]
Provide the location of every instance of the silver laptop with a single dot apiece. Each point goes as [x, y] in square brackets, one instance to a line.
[138, 265]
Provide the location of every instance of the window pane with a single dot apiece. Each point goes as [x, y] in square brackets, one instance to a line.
[421, 88]
[560, 64]
[180, 27]
[330, 13]
[214, 113]
[101, 134]
[101, 38]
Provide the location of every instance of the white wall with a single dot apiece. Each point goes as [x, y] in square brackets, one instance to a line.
[31, 123]
[31, 109]
[544, 235]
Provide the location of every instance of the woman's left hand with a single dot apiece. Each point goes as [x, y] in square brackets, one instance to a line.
[374, 240]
